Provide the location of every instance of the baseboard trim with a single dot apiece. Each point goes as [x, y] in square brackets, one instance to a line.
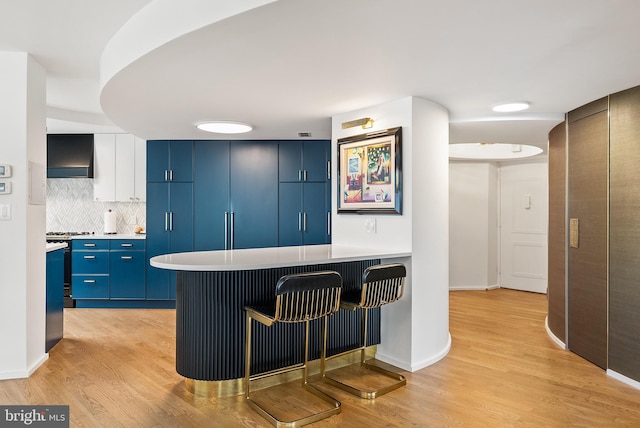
[21, 374]
[473, 287]
[622, 378]
[415, 367]
[553, 337]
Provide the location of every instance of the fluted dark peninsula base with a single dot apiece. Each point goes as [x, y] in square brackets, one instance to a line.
[210, 322]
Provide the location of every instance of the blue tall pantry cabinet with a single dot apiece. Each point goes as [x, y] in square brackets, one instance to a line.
[236, 194]
[169, 210]
[304, 192]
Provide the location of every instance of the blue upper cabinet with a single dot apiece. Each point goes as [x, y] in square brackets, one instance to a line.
[169, 160]
[304, 161]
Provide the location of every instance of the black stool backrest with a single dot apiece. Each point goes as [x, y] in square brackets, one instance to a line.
[307, 296]
[382, 284]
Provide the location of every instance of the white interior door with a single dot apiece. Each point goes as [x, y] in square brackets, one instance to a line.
[523, 227]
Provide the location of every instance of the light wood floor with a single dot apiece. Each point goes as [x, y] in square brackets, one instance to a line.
[116, 368]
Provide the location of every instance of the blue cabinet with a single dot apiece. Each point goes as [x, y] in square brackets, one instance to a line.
[127, 269]
[211, 214]
[55, 298]
[169, 230]
[304, 161]
[253, 194]
[236, 195]
[169, 161]
[108, 272]
[304, 192]
[90, 269]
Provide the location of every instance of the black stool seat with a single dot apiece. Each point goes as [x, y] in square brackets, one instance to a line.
[298, 298]
[381, 285]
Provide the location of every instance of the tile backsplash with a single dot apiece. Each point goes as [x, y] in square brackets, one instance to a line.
[71, 208]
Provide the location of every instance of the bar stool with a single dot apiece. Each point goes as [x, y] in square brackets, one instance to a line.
[381, 284]
[299, 298]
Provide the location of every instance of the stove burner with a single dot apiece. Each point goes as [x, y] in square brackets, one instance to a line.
[65, 235]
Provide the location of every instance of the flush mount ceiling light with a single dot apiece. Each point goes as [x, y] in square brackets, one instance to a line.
[224, 127]
[491, 151]
[511, 107]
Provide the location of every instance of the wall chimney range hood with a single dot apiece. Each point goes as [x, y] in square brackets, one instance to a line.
[69, 155]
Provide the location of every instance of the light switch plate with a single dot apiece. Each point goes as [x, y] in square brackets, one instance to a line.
[370, 225]
[5, 212]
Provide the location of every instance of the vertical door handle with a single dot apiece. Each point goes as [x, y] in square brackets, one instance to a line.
[170, 221]
[170, 175]
[304, 221]
[233, 221]
[299, 222]
[329, 223]
[166, 221]
[328, 170]
[299, 175]
[304, 175]
[226, 230]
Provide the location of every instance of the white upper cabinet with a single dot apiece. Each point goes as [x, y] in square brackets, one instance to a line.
[119, 168]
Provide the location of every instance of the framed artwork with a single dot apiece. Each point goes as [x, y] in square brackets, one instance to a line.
[370, 173]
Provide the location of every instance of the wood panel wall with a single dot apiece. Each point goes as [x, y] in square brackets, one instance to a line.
[588, 150]
[556, 283]
[624, 244]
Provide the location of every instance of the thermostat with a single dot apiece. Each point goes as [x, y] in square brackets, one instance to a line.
[5, 187]
[5, 171]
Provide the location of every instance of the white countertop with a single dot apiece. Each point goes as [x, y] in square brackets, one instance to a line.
[53, 246]
[264, 258]
[112, 236]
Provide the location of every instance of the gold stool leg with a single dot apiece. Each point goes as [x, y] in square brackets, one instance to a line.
[400, 380]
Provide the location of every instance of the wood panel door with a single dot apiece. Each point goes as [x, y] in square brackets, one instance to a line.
[588, 152]
[624, 234]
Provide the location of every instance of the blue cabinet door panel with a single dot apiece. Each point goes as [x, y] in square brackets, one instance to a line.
[90, 262]
[181, 207]
[315, 157]
[254, 193]
[315, 210]
[157, 160]
[181, 160]
[157, 280]
[289, 160]
[90, 286]
[211, 195]
[290, 214]
[127, 275]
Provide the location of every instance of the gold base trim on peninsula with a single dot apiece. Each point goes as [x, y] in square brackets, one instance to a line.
[232, 387]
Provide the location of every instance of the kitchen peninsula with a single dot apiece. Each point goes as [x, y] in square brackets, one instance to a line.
[214, 286]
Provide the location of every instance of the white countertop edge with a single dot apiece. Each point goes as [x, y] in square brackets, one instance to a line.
[112, 236]
[53, 246]
[265, 258]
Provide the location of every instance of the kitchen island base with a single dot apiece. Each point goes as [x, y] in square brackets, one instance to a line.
[210, 325]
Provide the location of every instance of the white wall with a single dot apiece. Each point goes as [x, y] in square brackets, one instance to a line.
[22, 257]
[415, 330]
[473, 227]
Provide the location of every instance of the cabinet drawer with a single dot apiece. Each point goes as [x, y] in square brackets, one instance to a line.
[90, 286]
[127, 244]
[89, 262]
[90, 244]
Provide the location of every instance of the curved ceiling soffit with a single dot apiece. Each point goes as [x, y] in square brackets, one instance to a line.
[160, 22]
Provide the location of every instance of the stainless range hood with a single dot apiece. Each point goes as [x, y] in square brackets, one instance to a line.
[69, 155]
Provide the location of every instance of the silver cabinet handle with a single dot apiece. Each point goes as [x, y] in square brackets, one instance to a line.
[89, 281]
[299, 175]
[233, 221]
[304, 175]
[328, 170]
[88, 245]
[304, 221]
[170, 221]
[329, 224]
[226, 230]
[126, 245]
[166, 175]
[126, 257]
[166, 222]
[89, 257]
[299, 222]
[170, 175]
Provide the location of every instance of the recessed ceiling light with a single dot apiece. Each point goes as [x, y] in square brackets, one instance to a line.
[224, 127]
[511, 107]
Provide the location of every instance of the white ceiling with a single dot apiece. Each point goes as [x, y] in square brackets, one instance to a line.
[287, 66]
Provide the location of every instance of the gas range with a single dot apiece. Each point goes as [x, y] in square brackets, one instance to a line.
[65, 236]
